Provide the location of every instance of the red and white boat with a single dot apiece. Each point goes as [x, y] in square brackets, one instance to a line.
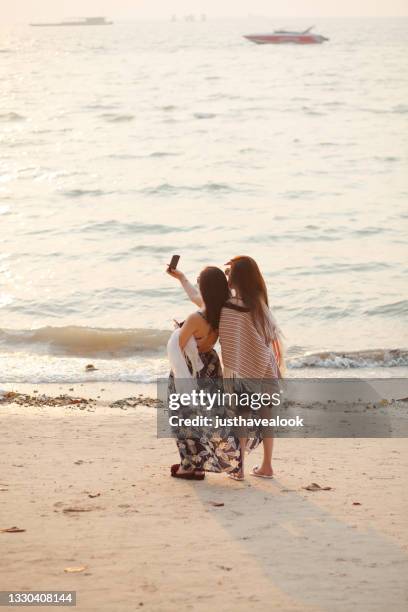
[279, 37]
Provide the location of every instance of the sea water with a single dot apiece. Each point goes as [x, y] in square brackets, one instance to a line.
[123, 145]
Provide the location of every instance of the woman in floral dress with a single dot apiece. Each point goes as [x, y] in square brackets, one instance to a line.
[204, 449]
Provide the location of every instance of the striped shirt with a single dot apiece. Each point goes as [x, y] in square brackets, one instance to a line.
[245, 353]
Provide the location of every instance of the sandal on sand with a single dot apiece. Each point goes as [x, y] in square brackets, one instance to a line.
[254, 472]
[187, 475]
[236, 477]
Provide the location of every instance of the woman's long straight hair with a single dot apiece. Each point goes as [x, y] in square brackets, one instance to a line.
[215, 292]
[245, 276]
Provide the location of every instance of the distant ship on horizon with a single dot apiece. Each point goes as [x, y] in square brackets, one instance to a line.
[190, 17]
[85, 21]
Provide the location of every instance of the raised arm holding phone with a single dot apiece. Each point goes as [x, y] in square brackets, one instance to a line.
[192, 292]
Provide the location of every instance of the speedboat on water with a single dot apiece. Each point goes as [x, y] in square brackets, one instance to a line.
[279, 37]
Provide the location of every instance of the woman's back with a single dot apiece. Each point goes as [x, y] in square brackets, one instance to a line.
[206, 337]
[245, 352]
[202, 331]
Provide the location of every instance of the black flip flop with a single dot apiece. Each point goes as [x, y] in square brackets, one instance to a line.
[187, 475]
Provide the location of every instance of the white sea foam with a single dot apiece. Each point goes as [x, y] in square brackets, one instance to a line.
[390, 358]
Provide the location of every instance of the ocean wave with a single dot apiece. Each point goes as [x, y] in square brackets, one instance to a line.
[117, 118]
[95, 301]
[154, 154]
[78, 193]
[169, 189]
[392, 308]
[204, 115]
[313, 235]
[162, 154]
[249, 150]
[369, 231]
[386, 158]
[12, 116]
[353, 359]
[339, 268]
[76, 341]
[400, 109]
[113, 226]
[25, 142]
[100, 106]
[147, 366]
[312, 112]
[295, 195]
[154, 249]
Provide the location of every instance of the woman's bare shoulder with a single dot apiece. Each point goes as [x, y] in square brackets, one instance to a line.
[196, 319]
[196, 316]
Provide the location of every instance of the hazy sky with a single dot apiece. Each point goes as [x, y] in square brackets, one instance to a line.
[24, 10]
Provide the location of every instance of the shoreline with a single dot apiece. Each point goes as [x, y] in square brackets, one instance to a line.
[388, 388]
[103, 392]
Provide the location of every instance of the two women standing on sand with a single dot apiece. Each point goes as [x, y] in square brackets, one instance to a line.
[234, 308]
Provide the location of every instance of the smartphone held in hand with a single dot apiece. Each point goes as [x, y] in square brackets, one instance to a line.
[174, 262]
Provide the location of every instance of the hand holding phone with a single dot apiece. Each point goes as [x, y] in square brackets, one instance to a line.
[174, 262]
[171, 268]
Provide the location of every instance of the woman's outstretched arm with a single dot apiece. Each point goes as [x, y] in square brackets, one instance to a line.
[191, 291]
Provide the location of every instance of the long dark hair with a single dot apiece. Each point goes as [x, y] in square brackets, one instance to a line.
[245, 276]
[215, 292]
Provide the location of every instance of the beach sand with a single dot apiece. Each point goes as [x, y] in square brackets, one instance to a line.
[89, 484]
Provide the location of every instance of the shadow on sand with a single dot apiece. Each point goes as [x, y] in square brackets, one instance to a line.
[305, 551]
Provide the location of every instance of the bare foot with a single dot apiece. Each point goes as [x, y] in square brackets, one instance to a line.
[189, 470]
[263, 471]
[181, 470]
[236, 476]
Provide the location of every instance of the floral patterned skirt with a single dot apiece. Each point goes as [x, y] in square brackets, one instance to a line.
[207, 449]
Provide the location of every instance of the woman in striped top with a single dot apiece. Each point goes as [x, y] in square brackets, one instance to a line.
[251, 348]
